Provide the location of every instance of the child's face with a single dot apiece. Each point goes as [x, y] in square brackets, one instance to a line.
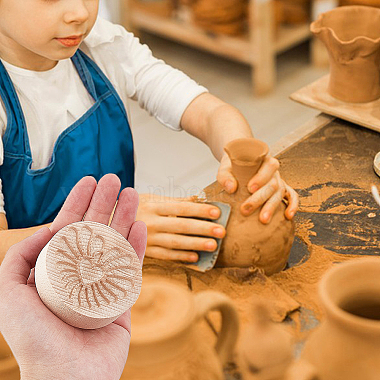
[34, 33]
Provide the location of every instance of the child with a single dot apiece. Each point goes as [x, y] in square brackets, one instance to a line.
[65, 79]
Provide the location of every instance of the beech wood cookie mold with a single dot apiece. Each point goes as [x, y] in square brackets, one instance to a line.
[88, 275]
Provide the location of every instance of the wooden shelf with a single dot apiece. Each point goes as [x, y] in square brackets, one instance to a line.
[258, 48]
[238, 48]
[290, 36]
[232, 47]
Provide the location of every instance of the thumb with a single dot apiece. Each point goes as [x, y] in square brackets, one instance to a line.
[22, 257]
[225, 176]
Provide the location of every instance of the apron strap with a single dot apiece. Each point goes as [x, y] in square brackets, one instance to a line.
[84, 74]
[15, 116]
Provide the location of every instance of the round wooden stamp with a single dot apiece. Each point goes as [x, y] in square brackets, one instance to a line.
[88, 275]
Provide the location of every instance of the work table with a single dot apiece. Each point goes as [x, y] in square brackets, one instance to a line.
[332, 170]
[329, 162]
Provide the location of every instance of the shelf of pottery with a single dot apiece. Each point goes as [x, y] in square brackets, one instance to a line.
[253, 32]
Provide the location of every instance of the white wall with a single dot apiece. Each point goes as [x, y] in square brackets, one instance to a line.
[110, 10]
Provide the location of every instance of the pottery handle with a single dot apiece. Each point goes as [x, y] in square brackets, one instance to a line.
[301, 370]
[210, 300]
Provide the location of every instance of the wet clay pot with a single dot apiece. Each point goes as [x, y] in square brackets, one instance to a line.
[347, 343]
[166, 341]
[352, 37]
[8, 366]
[248, 242]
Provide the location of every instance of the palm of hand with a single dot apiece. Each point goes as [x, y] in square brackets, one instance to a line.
[95, 354]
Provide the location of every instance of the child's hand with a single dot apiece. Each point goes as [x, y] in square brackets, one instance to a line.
[44, 346]
[267, 188]
[173, 233]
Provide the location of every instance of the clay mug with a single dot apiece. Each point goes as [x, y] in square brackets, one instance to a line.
[166, 342]
[347, 343]
[351, 35]
[8, 366]
[248, 242]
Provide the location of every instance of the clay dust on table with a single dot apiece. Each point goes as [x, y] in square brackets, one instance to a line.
[285, 292]
[301, 281]
[240, 284]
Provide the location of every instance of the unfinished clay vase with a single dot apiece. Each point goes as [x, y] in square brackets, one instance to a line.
[352, 37]
[248, 242]
[347, 344]
[166, 341]
[8, 365]
[88, 275]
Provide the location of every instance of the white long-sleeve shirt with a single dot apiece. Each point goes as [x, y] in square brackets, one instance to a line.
[53, 100]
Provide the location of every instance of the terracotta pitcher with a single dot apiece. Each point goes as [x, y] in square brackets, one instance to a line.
[352, 37]
[347, 344]
[166, 342]
[248, 242]
[8, 365]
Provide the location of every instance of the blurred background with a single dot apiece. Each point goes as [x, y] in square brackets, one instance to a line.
[251, 53]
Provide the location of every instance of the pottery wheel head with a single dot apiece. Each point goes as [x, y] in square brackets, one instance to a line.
[92, 269]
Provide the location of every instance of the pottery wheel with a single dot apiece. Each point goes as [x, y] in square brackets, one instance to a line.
[88, 275]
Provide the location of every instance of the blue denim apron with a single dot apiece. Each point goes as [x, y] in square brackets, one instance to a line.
[98, 143]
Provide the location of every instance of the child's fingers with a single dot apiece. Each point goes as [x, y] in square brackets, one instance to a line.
[103, 199]
[266, 172]
[258, 198]
[225, 176]
[293, 199]
[270, 207]
[76, 204]
[183, 242]
[170, 254]
[171, 207]
[125, 212]
[188, 226]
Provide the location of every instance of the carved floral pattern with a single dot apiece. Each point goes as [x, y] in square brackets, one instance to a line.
[94, 272]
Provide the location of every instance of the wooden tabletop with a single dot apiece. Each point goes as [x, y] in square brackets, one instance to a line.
[331, 168]
[329, 162]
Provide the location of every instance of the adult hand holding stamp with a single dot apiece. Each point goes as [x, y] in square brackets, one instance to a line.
[43, 344]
